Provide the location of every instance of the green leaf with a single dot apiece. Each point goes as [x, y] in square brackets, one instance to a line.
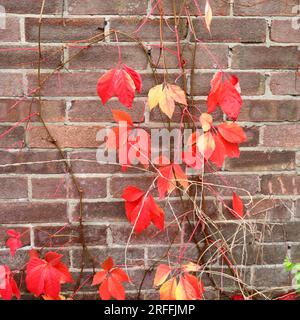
[288, 264]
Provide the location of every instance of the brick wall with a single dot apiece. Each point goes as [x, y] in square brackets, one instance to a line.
[253, 39]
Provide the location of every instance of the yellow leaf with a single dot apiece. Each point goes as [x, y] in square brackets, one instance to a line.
[166, 96]
[208, 15]
[154, 96]
[191, 267]
[168, 290]
[206, 145]
[206, 121]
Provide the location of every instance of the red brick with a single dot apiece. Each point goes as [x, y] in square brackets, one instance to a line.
[270, 209]
[12, 31]
[262, 161]
[295, 252]
[32, 6]
[67, 136]
[63, 30]
[257, 57]
[219, 7]
[220, 184]
[251, 83]
[252, 134]
[93, 188]
[150, 31]
[297, 211]
[135, 256]
[106, 56]
[18, 262]
[118, 184]
[283, 136]
[285, 83]
[11, 85]
[203, 58]
[260, 254]
[11, 139]
[264, 8]
[270, 110]
[27, 212]
[50, 188]
[63, 188]
[105, 8]
[280, 184]
[120, 234]
[271, 277]
[16, 110]
[67, 84]
[86, 162]
[283, 31]
[101, 211]
[23, 156]
[69, 236]
[232, 30]
[15, 57]
[94, 111]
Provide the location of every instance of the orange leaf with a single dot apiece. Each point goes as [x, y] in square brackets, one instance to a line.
[122, 116]
[232, 132]
[162, 273]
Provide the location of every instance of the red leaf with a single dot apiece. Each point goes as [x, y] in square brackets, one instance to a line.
[225, 93]
[218, 156]
[108, 264]
[288, 296]
[168, 176]
[238, 297]
[45, 276]
[161, 275]
[14, 242]
[238, 206]
[8, 286]
[189, 288]
[119, 82]
[116, 288]
[110, 280]
[232, 132]
[141, 209]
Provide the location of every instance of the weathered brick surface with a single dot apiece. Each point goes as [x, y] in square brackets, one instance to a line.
[283, 31]
[285, 83]
[282, 136]
[247, 57]
[264, 8]
[254, 40]
[233, 30]
[63, 30]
